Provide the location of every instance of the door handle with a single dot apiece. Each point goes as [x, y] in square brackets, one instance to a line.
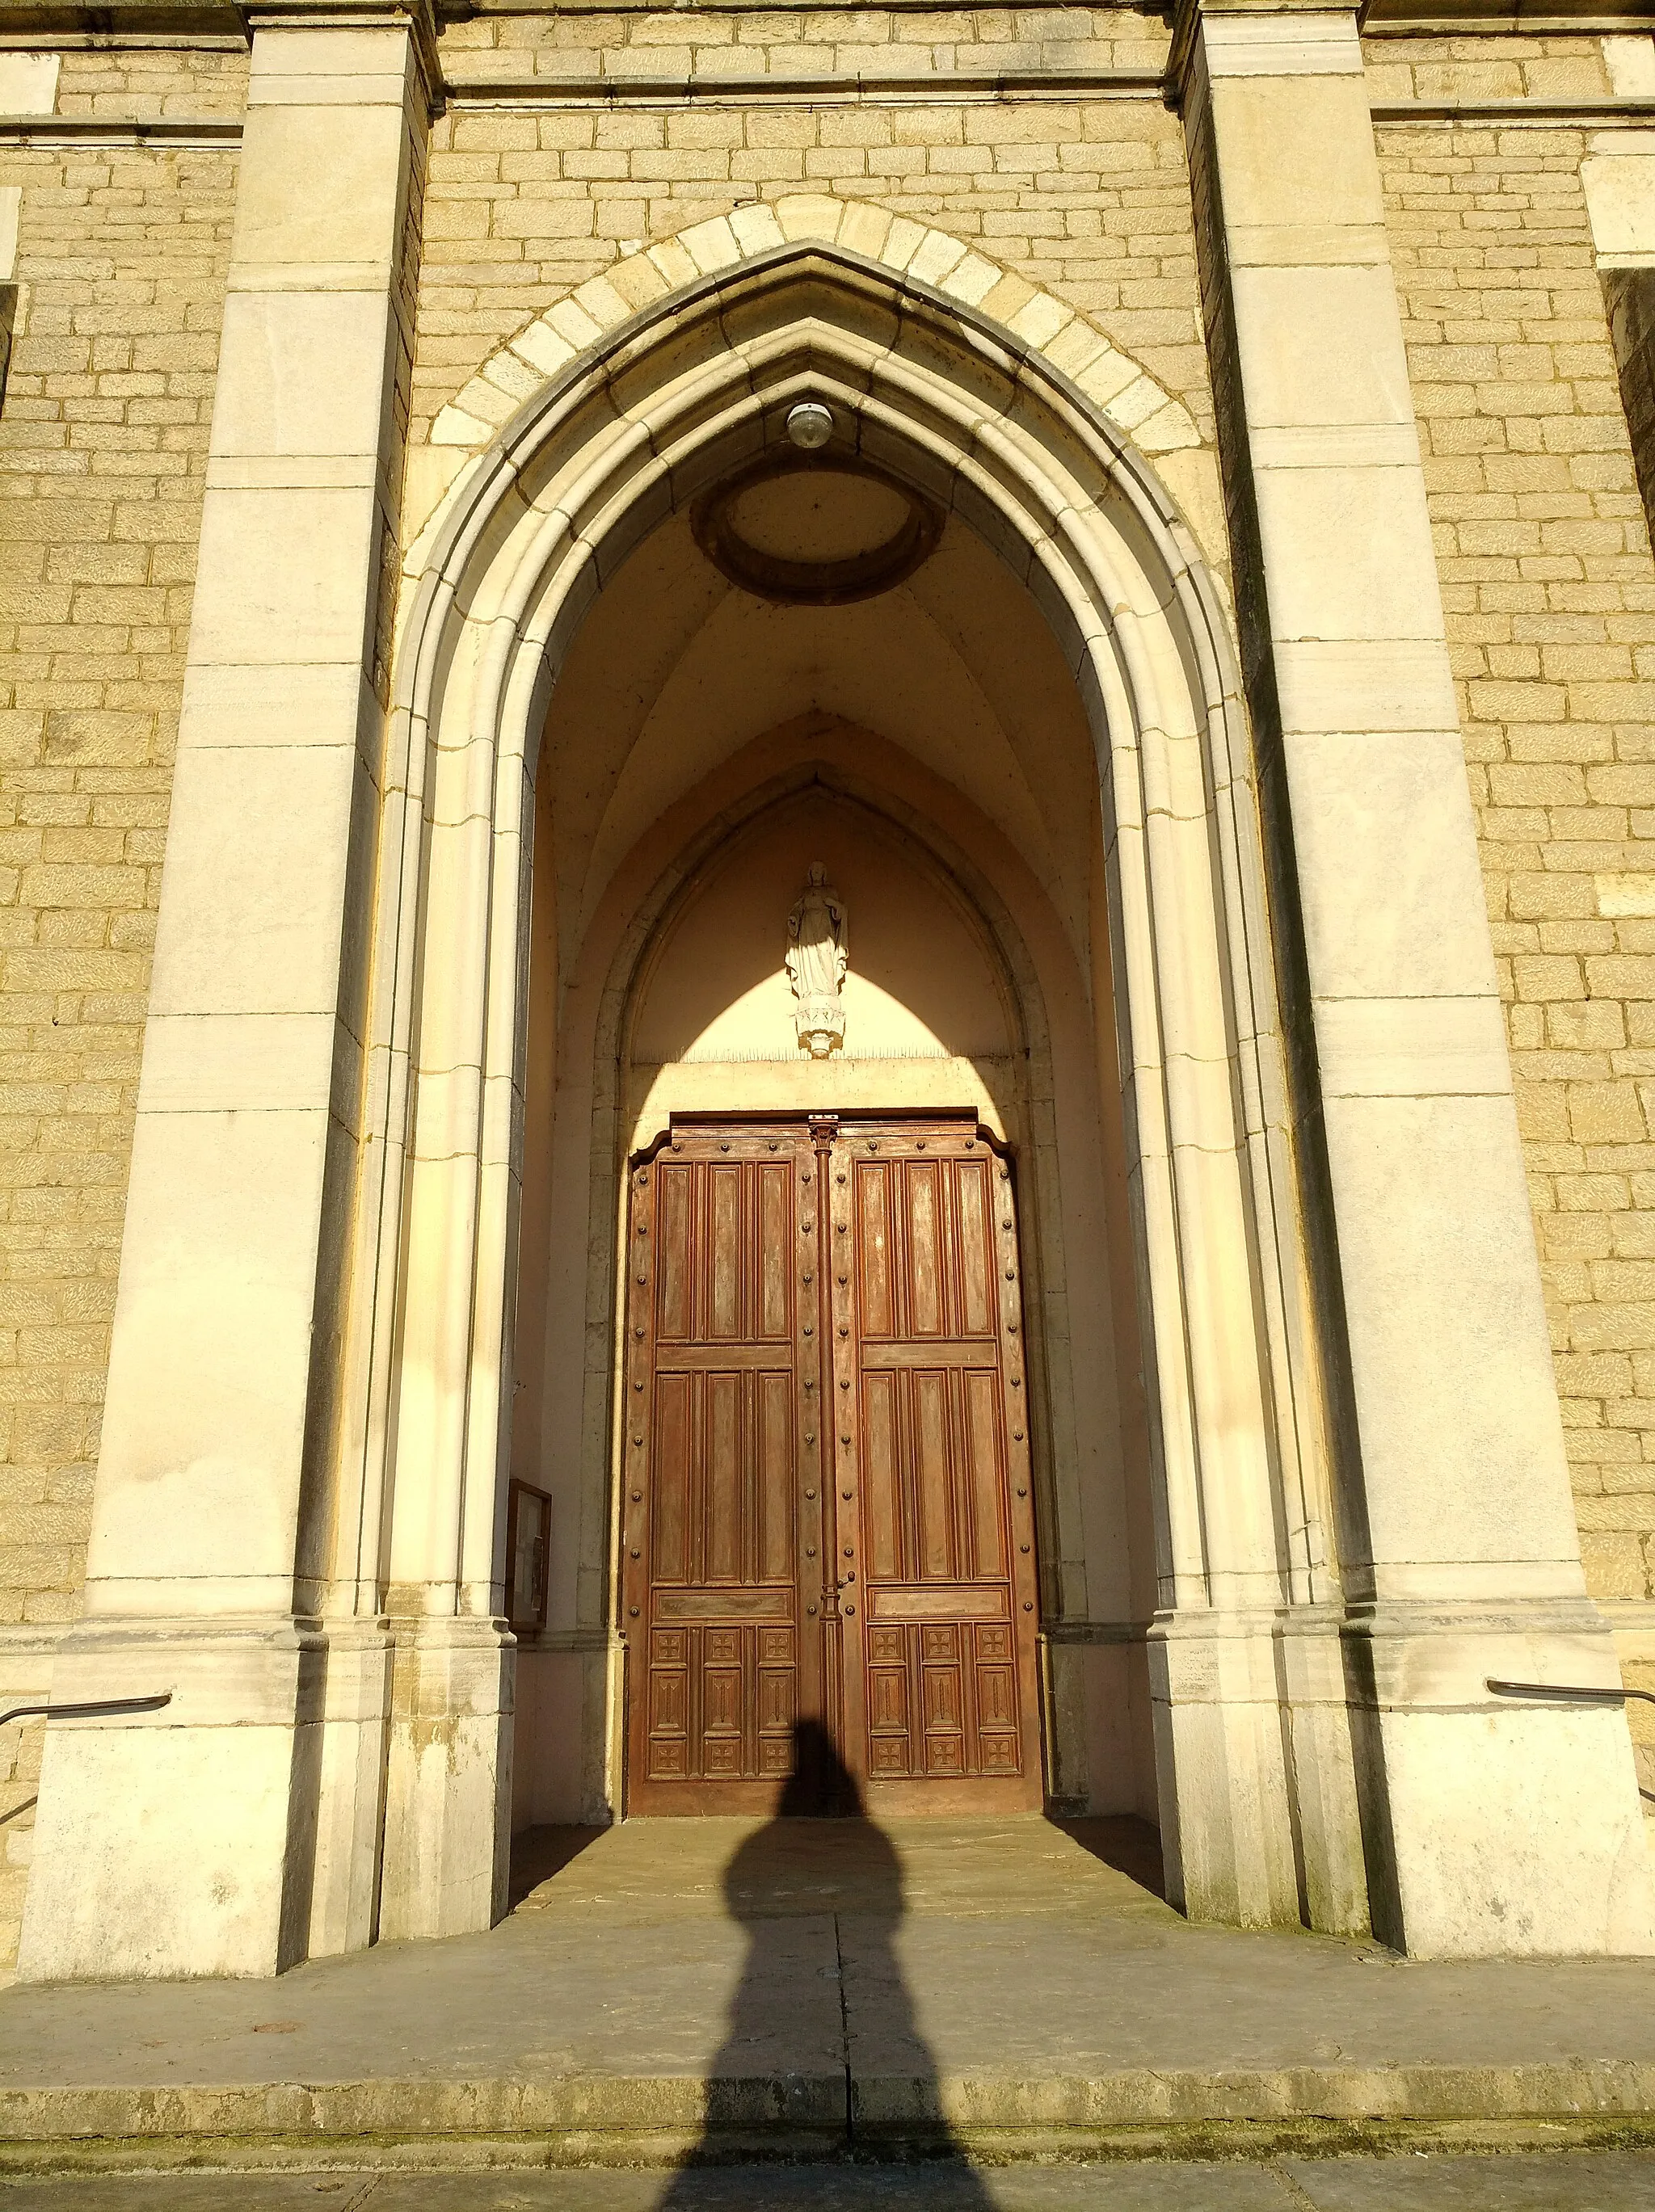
[843, 1579]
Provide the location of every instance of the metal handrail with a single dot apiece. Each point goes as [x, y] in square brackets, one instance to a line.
[97, 1705]
[1562, 1690]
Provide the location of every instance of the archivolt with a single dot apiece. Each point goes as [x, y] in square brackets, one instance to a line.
[632, 428]
[984, 914]
[1127, 394]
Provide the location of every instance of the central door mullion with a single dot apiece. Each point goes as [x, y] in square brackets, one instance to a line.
[843, 1412]
[817, 1653]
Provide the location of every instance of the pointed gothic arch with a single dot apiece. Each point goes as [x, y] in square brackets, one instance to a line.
[1134, 400]
[953, 877]
[1256, 1787]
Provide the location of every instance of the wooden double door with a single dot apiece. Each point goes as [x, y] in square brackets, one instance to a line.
[826, 1517]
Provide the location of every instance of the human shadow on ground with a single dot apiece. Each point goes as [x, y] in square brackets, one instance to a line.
[819, 1890]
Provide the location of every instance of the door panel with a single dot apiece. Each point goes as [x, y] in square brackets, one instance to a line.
[929, 1337]
[712, 1457]
[826, 1504]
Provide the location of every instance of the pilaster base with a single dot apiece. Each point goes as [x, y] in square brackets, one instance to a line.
[447, 1814]
[1496, 1828]
[178, 1843]
[1227, 1822]
[1322, 1770]
[357, 1713]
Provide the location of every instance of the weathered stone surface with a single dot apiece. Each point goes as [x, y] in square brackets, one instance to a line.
[1011, 1992]
[1068, 219]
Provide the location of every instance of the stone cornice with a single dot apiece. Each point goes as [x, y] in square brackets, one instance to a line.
[133, 20]
[951, 87]
[136, 21]
[1445, 18]
[1503, 18]
[198, 132]
[1425, 18]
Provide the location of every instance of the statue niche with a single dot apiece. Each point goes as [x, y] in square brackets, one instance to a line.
[816, 957]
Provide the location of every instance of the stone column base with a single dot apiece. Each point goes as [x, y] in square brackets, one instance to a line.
[1496, 1828]
[447, 1813]
[1259, 1813]
[346, 1889]
[1225, 1809]
[181, 1842]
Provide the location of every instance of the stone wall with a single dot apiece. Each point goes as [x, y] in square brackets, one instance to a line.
[1544, 558]
[1480, 68]
[1543, 553]
[143, 81]
[102, 441]
[1091, 198]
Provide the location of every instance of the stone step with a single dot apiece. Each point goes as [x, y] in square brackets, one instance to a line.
[419, 2122]
[691, 1990]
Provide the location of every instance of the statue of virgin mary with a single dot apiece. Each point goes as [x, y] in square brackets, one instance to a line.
[817, 955]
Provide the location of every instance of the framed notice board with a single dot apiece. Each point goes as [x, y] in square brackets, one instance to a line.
[528, 1554]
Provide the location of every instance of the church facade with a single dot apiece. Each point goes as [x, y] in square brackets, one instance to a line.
[827, 930]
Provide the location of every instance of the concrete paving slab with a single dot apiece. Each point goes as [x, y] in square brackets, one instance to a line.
[1551, 2182]
[1006, 1988]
